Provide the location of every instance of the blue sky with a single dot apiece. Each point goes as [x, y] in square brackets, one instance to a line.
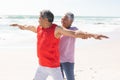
[59, 7]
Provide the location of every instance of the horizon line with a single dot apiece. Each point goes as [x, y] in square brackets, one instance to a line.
[60, 15]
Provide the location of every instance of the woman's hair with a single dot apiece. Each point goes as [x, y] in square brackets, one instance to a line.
[70, 15]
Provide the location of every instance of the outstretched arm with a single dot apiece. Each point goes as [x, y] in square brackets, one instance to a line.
[99, 36]
[78, 34]
[25, 27]
[91, 35]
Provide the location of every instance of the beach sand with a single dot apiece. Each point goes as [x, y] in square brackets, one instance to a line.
[98, 59]
[94, 60]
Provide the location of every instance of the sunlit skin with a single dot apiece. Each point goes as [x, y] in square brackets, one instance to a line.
[66, 22]
[44, 22]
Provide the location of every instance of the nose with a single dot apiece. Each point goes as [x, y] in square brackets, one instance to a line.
[39, 20]
[62, 19]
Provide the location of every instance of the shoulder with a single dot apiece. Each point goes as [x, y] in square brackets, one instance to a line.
[58, 31]
[39, 27]
[54, 25]
[61, 30]
[58, 28]
[73, 28]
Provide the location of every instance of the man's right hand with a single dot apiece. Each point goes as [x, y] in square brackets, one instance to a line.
[19, 26]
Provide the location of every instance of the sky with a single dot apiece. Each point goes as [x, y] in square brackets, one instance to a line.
[59, 7]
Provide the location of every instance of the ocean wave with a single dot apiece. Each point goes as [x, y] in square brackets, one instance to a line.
[19, 17]
[88, 23]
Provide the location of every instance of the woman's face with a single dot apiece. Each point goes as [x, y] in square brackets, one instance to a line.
[66, 22]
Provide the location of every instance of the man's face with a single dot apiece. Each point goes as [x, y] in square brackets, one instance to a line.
[66, 22]
[42, 21]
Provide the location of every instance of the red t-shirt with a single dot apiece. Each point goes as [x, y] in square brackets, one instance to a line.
[47, 47]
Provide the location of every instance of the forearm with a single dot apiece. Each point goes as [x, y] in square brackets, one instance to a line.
[80, 34]
[25, 27]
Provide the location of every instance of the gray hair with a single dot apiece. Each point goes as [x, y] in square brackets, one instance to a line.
[70, 15]
[47, 14]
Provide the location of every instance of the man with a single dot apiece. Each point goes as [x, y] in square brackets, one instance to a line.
[48, 36]
[66, 48]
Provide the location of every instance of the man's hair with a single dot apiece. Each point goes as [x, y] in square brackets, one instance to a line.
[47, 14]
[70, 15]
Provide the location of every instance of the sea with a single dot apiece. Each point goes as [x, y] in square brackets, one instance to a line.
[14, 37]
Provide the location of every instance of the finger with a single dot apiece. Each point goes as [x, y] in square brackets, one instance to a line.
[105, 37]
[13, 24]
